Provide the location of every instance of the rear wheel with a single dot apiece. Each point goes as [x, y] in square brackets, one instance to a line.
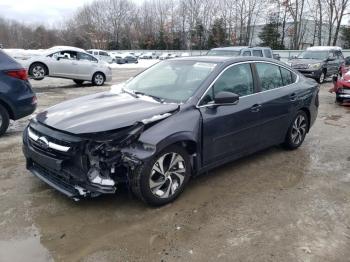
[98, 79]
[297, 131]
[38, 71]
[322, 77]
[163, 178]
[4, 120]
[78, 82]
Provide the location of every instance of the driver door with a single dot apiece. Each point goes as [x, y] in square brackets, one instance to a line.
[64, 64]
[231, 130]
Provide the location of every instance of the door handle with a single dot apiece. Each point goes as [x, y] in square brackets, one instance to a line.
[293, 97]
[255, 108]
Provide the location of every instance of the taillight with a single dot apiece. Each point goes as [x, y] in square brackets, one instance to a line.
[20, 74]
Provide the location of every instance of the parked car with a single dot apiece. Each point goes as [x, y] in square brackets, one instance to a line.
[165, 56]
[241, 51]
[72, 63]
[129, 59]
[176, 119]
[276, 56]
[101, 55]
[319, 62]
[149, 55]
[17, 98]
[341, 88]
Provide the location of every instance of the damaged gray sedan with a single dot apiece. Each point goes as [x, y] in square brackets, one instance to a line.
[176, 119]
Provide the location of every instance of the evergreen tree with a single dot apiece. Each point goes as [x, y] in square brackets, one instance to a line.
[345, 36]
[270, 35]
[217, 36]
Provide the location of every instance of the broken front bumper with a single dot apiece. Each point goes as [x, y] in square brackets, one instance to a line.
[61, 170]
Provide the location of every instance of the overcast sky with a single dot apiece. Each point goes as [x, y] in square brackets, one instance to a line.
[39, 11]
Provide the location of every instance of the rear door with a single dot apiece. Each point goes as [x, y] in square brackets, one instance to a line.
[280, 96]
[230, 130]
[86, 66]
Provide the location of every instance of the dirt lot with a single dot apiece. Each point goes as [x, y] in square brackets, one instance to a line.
[273, 206]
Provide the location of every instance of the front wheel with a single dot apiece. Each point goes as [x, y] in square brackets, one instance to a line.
[322, 77]
[297, 131]
[98, 79]
[4, 120]
[163, 178]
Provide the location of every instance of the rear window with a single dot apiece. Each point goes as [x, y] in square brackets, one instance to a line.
[267, 53]
[7, 62]
[223, 53]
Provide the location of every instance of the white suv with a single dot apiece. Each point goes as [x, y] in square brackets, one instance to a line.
[101, 54]
[69, 62]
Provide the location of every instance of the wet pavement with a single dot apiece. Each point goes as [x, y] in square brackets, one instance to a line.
[276, 205]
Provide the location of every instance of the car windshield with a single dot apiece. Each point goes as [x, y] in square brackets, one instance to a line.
[223, 53]
[313, 55]
[171, 81]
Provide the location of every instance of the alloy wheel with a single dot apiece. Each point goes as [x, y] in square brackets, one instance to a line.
[38, 72]
[99, 79]
[167, 175]
[299, 129]
[322, 76]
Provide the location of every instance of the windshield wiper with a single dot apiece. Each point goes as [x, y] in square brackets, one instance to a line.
[129, 92]
[158, 99]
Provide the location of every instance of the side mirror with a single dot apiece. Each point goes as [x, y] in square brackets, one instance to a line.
[226, 98]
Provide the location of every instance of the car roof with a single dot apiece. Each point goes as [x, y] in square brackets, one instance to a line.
[238, 48]
[226, 59]
[64, 48]
[324, 48]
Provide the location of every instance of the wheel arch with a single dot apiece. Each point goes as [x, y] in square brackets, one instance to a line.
[308, 114]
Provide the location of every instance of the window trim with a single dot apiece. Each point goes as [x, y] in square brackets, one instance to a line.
[255, 78]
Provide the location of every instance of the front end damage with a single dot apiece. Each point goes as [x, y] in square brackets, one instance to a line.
[86, 165]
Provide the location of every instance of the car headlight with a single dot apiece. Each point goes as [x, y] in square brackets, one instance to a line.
[315, 66]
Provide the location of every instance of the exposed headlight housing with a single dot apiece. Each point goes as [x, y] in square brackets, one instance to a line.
[315, 66]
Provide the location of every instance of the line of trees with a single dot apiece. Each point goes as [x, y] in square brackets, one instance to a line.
[185, 24]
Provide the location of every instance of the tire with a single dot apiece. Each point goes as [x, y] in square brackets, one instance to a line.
[98, 79]
[167, 185]
[297, 131]
[38, 71]
[322, 77]
[339, 99]
[4, 120]
[78, 82]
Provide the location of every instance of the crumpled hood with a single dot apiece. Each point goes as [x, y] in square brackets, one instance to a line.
[305, 61]
[101, 112]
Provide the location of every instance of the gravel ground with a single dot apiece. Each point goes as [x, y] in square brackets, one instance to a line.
[276, 205]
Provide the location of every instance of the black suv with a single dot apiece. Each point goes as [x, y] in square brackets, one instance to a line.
[17, 99]
[319, 62]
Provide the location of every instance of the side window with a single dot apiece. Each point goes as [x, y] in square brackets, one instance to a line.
[331, 54]
[287, 76]
[247, 53]
[257, 53]
[69, 55]
[86, 57]
[267, 53]
[237, 79]
[270, 76]
[95, 53]
[103, 53]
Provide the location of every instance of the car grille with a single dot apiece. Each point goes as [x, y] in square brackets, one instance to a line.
[52, 151]
[300, 66]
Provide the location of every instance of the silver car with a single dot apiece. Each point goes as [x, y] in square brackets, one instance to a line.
[69, 62]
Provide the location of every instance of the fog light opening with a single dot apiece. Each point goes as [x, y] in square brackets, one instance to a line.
[95, 177]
